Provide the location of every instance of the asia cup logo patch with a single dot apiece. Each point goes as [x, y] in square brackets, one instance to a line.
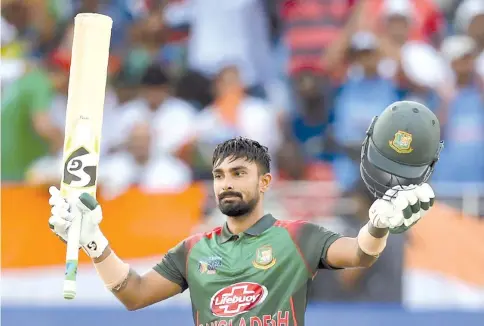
[209, 265]
[401, 143]
[264, 258]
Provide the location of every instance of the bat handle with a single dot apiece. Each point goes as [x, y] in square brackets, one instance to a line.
[72, 258]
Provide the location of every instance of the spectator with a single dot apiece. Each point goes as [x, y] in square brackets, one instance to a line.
[397, 19]
[125, 84]
[234, 113]
[13, 66]
[469, 19]
[37, 25]
[148, 44]
[422, 20]
[307, 128]
[123, 13]
[195, 88]
[16, 18]
[463, 120]
[426, 74]
[153, 129]
[233, 31]
[310, 27]
[365, 94]
[380, 283]
[13, 51]
[403, 33]
[400, 24]
[315, 113]
[28, 132]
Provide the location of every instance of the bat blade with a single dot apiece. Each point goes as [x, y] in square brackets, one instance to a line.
[82, 142]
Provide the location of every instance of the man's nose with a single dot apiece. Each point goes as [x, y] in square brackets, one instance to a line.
[228, 187]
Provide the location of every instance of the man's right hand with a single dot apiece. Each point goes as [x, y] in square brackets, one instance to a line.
[85, 207]
[401, 208]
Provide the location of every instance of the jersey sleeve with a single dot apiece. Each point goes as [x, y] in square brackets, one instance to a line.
[173, 265]
[313, 242]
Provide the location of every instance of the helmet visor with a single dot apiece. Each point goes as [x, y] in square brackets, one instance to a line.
[392, 167]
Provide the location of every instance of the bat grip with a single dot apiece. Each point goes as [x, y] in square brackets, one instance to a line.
[72, 258]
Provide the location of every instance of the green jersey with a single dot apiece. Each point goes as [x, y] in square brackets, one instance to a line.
[21, 145]
[257, 278]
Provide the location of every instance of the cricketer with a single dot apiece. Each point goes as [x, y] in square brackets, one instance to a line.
[256, 269]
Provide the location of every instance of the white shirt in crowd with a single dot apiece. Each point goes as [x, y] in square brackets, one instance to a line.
[172, 123]
[171, 127]
[165, 173]
[226, 32]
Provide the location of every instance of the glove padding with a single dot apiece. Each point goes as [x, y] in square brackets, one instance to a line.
[402, 207]
[85, 207]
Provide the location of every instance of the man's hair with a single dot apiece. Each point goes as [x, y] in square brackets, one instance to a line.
[241, 147]
[154, 75]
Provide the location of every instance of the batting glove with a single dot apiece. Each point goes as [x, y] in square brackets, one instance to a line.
[85, 207]
[401, 207]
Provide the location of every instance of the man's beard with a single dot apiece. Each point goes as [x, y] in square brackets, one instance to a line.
[237, 207]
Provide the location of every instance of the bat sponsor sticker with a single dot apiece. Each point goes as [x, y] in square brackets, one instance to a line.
[80, 170]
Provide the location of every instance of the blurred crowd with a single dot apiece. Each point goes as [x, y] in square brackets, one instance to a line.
[303, 77]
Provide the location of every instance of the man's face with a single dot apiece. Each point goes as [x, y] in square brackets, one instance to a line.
[369, 60]
[237, 186]
[310, 89]
[476, 30]
[398, 28]
[228, 82]
[154, 95]
[464, 66]
[139, 142]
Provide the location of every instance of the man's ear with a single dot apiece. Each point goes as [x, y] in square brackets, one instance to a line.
[264, 182]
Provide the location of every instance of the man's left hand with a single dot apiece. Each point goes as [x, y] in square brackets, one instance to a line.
[402, 207]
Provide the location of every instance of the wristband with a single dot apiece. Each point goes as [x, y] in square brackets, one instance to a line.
[112, 270]
[371, 245]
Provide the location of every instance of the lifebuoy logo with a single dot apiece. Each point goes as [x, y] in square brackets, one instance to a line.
[237, 299]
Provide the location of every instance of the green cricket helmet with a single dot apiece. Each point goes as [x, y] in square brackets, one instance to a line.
[401, 147]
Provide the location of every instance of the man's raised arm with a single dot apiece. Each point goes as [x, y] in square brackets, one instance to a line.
[396, 213]
[135, 291]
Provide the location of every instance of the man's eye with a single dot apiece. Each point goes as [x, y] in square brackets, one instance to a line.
[217, 176]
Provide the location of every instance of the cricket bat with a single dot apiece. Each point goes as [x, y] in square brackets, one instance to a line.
[85, 103]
